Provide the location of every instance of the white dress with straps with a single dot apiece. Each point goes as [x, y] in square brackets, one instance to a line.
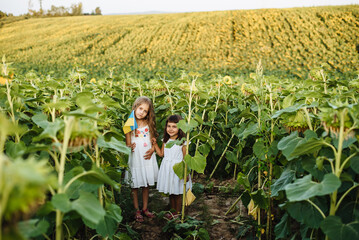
[141, 172]
[168, 182]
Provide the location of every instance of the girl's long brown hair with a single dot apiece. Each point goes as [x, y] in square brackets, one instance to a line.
[151, 118]
[173, 119]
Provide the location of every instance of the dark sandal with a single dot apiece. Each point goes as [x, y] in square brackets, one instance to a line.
[148, 213]
[168, 216]
[138, 216]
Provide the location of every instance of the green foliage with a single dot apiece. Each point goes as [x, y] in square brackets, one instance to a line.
[24, 183]
[333, 227]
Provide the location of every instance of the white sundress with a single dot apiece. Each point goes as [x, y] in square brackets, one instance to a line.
[141, 172]
[168, 182]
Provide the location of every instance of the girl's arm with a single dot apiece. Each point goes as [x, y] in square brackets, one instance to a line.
[184, 150]
[158, 150]
[184, 154]
[128, 141]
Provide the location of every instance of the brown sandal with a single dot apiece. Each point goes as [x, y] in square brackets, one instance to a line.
[148, 213]
[138, 216]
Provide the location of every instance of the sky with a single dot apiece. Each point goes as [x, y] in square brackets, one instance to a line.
[18, 7]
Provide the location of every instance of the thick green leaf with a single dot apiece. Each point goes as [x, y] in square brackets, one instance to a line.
[212, 115]
[243, 180]
[108, 101]
[33, 228]
[40, 120]
[203, 234]
[281, 229]
[251, 129]
[311, 146]
[61, 202]
[107, 227]
[285, 178]
[124, 236]
[187, 127]
[85, 101]
[346, 143]
[288, 144]
[88, 206]
[212, 142]
[15, 150]
[78, 113]
[305, 188]
[260, 198]
[259, 150]
[51, 129]
[114, 211]
[333, 227]
[178, 168]
[293, 108]
[204, 149]
[198, 119]
[93, 176]
[232, 157]
[196, 163]
[305, 213]
[113, 144]
[175, 142]
[354, 164]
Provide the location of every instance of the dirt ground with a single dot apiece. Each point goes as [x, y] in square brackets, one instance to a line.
[209, 207]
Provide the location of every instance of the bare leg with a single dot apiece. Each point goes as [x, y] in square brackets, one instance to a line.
[135, 198]
[145, 195]
[178, 201]
[172, 202]
[138, 216]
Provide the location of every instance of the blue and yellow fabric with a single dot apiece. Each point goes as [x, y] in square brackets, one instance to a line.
[130, 124]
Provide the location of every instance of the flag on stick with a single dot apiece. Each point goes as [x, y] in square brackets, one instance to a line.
[190, 197]
[131, 123]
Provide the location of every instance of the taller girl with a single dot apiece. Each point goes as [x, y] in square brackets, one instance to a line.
[143, 168]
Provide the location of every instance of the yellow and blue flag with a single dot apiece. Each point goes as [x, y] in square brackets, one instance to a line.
[131, 123]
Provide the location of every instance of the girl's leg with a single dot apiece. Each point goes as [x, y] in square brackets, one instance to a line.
[172, 202]
[138, 216]
[145, 196]
[135, 198]
[178, 203]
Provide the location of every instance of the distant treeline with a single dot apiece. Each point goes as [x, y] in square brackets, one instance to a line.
[54, 11]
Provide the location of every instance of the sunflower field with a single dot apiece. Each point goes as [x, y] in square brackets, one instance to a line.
[288, 41]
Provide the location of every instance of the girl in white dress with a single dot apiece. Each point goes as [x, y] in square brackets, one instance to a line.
[168, 182]
[143, 168]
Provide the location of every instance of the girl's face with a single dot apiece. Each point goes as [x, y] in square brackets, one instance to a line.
[142, 111]
[172, 130]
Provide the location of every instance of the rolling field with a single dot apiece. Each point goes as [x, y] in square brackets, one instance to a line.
[288, 41]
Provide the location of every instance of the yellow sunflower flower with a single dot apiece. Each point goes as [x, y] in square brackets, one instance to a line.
[227, 80]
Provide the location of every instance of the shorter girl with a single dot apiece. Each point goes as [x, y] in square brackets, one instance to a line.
[168, 182]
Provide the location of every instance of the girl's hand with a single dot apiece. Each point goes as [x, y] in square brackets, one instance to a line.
[133, 146]
[149, 153]
[153, 141]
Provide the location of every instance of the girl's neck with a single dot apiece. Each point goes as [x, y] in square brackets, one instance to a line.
[174, 137]
[141, 122]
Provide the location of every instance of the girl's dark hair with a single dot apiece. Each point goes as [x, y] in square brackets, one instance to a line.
[173, 119]
[151, 119]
